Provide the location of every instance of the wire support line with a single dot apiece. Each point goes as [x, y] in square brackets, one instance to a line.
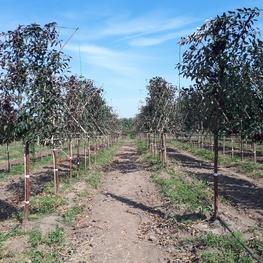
[238, 240]
[69, 38]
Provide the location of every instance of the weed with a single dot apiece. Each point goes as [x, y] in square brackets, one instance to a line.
[84, 193]
[2, 237]
[130, 136]
[55, 238]
[141, 147]
[15, 169]
[51, 244]
[46, 204]
[35, 238]
[255, 227]
[223, 200]
[226, 248]
[71, 213]
[256, 245]
[190, 196]
[94, 180]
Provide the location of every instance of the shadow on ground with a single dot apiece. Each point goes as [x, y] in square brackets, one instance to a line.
[134, 204]
[239, 191]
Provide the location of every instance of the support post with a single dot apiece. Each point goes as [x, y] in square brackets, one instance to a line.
[70, 157]
[27, 181]
[56, 174]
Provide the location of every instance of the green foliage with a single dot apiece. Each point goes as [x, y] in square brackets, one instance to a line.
[226, 248]
[34, 80]
[35, 238]
[256, 245]
[189, 195]
[51, 244]
[222, 59]
[141, 147]
[85, 110]
[126, 125]
[159, 109]
[55, 238]
[37, 99]
[94, 180]
[130, 136]
[46, 204]
[71, 213]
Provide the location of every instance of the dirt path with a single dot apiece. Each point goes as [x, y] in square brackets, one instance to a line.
[125, 202]
[124, 220]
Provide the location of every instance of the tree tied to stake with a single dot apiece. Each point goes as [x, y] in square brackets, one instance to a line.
[220, 58]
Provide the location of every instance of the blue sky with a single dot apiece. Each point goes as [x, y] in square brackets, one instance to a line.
[121, 44]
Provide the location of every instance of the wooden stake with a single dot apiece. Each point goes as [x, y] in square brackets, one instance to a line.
[78, 156]
[164, 145]
[255, 152]
[95, 151]
[56, 175]
[89, 162]
[8, 157]
[27, 181]
[85, 156]
[232, 144]
[216, 200]
[70, 157]
[224, 145]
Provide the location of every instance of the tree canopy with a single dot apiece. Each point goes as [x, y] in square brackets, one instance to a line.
[224, 60]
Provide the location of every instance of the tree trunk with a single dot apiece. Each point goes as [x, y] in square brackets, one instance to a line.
[27, 181]
[216, 201]
[56, 175]
[8, 157]
[89, 161]
[78, 157]
[164, 146]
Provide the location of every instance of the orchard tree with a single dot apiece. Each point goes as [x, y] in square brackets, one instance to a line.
[78, 93]
[7, 122]
[156, 114]
[191, 109]
[98, 114]
[223, 59]
[32, 68]
[126, 125]
[7, 119]
[111, 121]
[85, 110]
[33, 65]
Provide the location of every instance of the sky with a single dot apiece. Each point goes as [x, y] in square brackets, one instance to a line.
[121, 44]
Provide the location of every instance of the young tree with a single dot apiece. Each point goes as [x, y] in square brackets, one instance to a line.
[32, 66]
[220, 58]
[126, 125]
[155, 115]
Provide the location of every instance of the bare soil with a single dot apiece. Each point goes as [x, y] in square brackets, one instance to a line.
[127, 219]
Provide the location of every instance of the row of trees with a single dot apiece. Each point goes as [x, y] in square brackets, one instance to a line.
[39, 97]
[161, 106]
[40, 100]
[224, 60]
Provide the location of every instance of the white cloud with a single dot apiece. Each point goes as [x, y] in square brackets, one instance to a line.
[159, 39]
[125, 27]
[123, 63]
